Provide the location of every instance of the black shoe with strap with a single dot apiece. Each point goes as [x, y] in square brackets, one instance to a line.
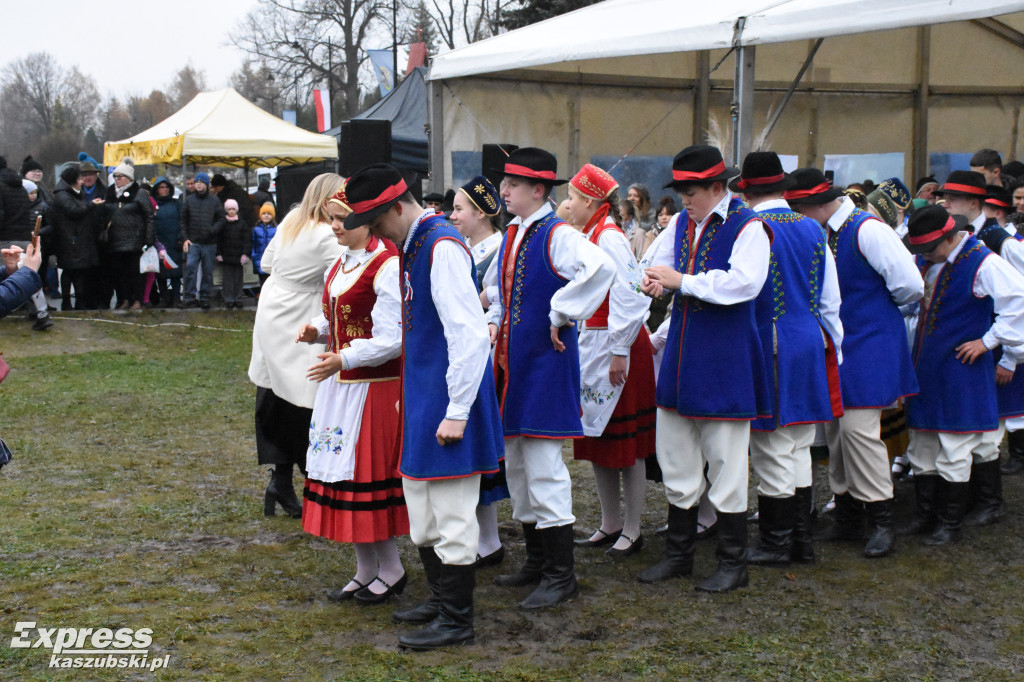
[366, 596]
[428, 610]
[680, 541]
[530, 572]
[454, 622]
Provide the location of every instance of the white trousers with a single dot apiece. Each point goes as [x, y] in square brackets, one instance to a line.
[442, 515]
[944, 454]
[988, 451]
[684, 446]
[538, 481]
[782, 459]
[858, 461]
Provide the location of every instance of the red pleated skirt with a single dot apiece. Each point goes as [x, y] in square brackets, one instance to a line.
[370, 507]
[629, 435]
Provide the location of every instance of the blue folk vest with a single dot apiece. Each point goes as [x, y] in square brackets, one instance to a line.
[876, 368]
[424, 384]
[713, 365]
[540, 392]
[954, 396]
[1010, 397]
[803, 375]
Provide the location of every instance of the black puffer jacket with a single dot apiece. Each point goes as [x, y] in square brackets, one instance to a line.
[199, 213]
[15, 208]
[129, 214]
[74, 228]
[235, 240]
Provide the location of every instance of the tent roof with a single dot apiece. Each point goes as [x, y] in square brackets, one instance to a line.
[621, 28]
[222, 128]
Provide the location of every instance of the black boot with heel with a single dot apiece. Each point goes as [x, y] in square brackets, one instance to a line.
[280, 491]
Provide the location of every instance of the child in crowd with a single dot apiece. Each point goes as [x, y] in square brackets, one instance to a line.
[232, 253]
[264, 231]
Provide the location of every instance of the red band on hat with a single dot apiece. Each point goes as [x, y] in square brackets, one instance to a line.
[743, 183]
[513, 169]
[685, 176]
[935, 234]
[392, 192]
[969, 189]
[801, 193]
[997, 202]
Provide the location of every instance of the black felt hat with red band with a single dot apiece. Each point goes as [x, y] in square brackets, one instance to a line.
[371, 191]
[929, 226]
[699, 163]
[810, 186]
[532, 163]
[998, 197]
[762, 174]
[964, 183]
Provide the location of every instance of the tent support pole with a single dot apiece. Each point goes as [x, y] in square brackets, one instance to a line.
[435, 135]
[792, 88]
[701, 97]
[743, 96]
[919, 143]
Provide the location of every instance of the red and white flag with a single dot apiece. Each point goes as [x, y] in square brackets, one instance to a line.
[322, 102]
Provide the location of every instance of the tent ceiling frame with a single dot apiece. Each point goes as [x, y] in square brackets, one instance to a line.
[998, 28]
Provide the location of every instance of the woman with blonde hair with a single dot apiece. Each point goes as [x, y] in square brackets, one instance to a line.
[298, 256]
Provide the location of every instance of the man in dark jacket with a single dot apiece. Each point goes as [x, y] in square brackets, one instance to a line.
[229, 189]
[16, 230]
[262, 194]
[199, 213]
[74, 234]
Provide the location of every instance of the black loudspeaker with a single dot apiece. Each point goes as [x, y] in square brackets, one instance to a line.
[493, 160]
[363, 142]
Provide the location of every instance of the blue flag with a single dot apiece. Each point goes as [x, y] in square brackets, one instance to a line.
[383, 65]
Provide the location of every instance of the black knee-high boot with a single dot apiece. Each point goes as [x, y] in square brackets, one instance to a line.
[280, 491]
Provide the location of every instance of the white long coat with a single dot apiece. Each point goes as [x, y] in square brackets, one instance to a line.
[289, 299]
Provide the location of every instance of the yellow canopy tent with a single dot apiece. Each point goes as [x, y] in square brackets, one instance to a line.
[222, 128]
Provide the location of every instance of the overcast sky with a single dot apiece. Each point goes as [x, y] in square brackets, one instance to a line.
[151, 40]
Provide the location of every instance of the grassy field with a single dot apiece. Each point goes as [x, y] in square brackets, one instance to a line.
[134, 501]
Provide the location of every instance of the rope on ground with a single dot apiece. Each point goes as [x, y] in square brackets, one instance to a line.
[150, 326]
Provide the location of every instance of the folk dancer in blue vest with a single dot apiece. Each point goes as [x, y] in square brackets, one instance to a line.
[797, 316]
[616, 371]
[964, 194]
[475, 210]
[451, 433]
[876, 276]
[1006, 241]
[712, 382]
[549, 275]
[956, 410]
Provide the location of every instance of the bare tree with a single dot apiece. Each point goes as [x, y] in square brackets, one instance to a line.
[460, 22]
[293, 38]
[36, 84]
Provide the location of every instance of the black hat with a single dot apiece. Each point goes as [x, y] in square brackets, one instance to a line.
[218, 180]
[926, 180]
[30, 164]
[929, 226]
[481, 192]
[965, 184]
[810, 186]
[532, 163]
[371, 192]
[434, 197]
[699, 163]
[999, 198]
[762, 173]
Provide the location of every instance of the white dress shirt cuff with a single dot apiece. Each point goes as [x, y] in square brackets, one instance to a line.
[558, 319]
[457, 412]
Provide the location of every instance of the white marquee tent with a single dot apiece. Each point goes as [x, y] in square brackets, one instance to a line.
[620, 65]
